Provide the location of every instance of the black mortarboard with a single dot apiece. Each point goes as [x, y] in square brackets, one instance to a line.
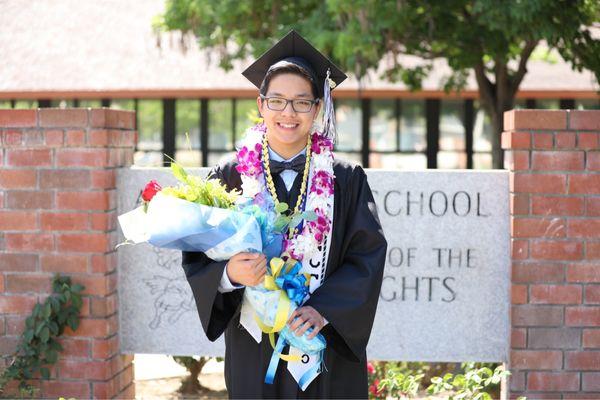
[294, 49]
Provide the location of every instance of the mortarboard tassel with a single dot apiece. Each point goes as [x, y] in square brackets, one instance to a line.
[329, 130]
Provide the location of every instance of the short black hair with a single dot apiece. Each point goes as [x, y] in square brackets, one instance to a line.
[289, 68]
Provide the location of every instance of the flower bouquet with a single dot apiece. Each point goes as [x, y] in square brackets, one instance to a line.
[201, 215]
[198, 215]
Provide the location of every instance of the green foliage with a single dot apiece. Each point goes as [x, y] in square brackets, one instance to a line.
[400, 384]
[283, 221]
[209, 192]
[492, 39]
[474, 381]
[470, 385]
[39, 347]
[358, 34]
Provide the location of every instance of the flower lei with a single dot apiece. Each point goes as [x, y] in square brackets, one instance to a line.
[306, 237]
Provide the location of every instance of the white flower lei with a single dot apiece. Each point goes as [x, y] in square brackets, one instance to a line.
[304, 244]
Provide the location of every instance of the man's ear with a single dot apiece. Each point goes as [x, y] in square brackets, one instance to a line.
[259, 104]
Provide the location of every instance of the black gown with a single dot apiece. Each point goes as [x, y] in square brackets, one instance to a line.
[347, 298]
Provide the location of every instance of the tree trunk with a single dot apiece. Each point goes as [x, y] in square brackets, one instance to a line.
[499, 96]
[191, 384]
[496, 118]
[495, 111]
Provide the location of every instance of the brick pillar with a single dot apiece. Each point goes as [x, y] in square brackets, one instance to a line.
[58, 214]
[554, 163]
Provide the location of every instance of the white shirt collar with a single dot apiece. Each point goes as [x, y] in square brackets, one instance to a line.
[274, 156]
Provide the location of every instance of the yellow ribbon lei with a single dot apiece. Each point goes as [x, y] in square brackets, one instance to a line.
[283, 306]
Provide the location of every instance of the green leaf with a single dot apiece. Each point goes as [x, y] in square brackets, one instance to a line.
[77, 288]
[281, 207]
[53, 328]
[37, 309]
[47, 310]
[45, 373]
[39, 328]
[73, 322]
[179, 172]
[55, 304]
[51, 356]
[28, 335]
[45, 334]
[279, 225]
[77, 302]
[295, 220]
[309, 215]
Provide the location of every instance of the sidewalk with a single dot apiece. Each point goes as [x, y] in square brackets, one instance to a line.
[158, 376]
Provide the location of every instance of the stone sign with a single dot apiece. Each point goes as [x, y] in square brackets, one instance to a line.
[446, 288]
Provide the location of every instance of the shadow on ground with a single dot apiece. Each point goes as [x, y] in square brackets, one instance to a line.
[166, 388]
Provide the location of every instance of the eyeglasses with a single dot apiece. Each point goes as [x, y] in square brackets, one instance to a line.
[279, 104]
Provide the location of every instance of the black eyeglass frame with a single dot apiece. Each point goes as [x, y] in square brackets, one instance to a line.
[313, 102]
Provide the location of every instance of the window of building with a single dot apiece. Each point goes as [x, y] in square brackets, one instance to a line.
[348, 115]
[220, 127]
[90, 103]
[383, 125]
[520, 104]
[587, 104]
[123, 104]
[413, 126]
[150, 134]
[246, 114]
[62, 103]
[187, 132]
[547, 104]
[397, 131]
[452, 146]
[482, 138]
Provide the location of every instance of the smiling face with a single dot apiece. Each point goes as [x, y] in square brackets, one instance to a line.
[287, 130]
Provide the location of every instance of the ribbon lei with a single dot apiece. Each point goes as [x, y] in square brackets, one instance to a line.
[293, 287]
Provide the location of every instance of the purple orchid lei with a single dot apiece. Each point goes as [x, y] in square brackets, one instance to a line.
[320, 194]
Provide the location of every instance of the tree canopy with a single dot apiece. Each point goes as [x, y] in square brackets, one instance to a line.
[493, 39]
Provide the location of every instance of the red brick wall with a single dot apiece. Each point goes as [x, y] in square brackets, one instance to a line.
[58, 214]
[554, 162]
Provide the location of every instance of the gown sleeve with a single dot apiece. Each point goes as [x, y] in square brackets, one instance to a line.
[348, 297]
[204, 275]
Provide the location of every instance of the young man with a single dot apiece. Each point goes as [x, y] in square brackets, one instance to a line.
[343, 250]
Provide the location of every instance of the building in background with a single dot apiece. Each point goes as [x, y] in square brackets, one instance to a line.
[69, 53]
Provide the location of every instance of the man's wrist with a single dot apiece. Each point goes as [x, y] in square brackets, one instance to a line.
[231, 281]
[226, 285]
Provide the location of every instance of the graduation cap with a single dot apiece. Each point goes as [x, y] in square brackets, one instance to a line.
[294, 49]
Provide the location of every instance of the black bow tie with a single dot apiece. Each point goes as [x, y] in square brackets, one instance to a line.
[297, 164]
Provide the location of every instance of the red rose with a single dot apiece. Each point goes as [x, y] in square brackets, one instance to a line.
[373, 388]
[150, 190]
[370, 368]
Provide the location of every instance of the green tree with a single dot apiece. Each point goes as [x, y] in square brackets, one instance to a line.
[491, 39]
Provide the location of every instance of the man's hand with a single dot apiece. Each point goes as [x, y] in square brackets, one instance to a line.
[247, 269]
[304, 318]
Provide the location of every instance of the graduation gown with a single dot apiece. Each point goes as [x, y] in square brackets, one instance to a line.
[347, 298]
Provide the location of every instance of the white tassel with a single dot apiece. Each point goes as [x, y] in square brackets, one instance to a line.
[329, 129]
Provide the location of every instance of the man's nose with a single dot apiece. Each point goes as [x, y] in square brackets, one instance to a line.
[288, 109]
